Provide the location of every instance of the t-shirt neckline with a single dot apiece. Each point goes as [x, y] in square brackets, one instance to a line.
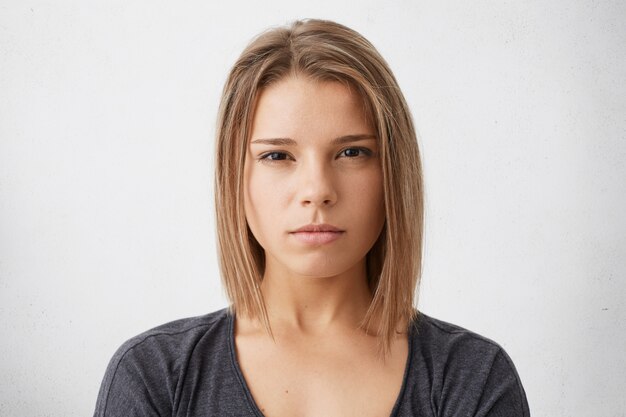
[250, 399]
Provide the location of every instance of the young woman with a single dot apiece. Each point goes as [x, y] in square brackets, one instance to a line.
[319, 199]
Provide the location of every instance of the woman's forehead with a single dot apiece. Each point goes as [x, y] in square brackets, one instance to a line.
[298, 106]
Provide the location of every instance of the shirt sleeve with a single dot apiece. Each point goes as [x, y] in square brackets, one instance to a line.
[503, 394]
[478, 379]
[137, 383]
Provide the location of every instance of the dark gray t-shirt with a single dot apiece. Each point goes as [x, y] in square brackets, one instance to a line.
[189, 368]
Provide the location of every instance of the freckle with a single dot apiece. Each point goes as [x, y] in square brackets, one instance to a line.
[286, 391]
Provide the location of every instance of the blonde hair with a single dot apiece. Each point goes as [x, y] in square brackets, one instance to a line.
[325, 51]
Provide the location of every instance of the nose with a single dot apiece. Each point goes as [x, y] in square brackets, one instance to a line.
[316, 185]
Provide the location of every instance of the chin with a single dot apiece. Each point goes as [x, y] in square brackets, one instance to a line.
[320, 268]
[316, 274]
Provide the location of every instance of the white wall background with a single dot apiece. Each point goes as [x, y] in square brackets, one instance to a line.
[107, 113]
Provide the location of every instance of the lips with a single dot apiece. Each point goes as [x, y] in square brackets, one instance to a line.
[317, 234]
[320, 227]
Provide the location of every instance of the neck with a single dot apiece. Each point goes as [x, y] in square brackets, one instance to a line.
[316, 305]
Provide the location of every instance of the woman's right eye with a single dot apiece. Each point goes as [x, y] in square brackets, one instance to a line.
[273, 157]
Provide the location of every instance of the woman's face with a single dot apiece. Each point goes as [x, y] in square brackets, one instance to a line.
[313, 158]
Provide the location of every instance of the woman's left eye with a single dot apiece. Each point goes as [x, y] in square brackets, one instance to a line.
[356, 152]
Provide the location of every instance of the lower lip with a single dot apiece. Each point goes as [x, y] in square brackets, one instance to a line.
[317, 238]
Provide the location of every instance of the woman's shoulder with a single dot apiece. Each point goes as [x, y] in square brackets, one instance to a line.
[180, 330]
[171, 340]
[448, 345]
[175, 337]
[439, 334]
[462, 370]
[151, 363]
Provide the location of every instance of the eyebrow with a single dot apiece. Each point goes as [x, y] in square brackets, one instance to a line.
[337, 141]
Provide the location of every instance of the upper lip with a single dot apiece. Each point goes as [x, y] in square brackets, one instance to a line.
[320, 227]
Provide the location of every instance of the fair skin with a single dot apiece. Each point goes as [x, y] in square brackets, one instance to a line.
[325, 168]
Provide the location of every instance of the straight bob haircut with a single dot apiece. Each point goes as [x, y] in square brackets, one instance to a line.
[324, 51]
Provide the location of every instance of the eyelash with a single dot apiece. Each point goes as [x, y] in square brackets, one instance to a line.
[265, 157]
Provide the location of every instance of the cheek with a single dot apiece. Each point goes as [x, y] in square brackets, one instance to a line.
[368, 191]
[261, 201]
[260, 192]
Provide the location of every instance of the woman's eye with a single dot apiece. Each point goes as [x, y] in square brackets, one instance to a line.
[273, 156]
[356, 152]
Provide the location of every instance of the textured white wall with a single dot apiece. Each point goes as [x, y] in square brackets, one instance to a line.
[107, 113]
